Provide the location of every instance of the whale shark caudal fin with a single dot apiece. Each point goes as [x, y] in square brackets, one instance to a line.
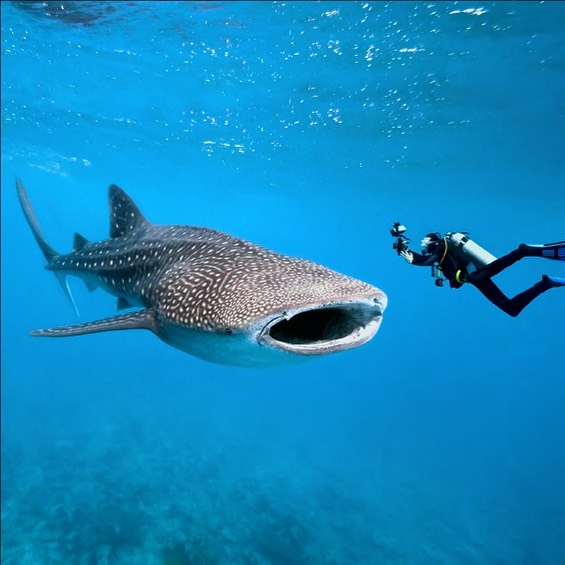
[47, 250]
[124, 214]
[140, 320]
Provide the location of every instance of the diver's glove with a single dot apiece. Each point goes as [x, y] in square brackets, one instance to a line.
[407, 255]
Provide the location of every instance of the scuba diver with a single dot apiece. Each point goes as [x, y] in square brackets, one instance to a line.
[460, 260]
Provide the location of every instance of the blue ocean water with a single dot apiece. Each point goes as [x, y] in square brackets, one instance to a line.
[306, 127]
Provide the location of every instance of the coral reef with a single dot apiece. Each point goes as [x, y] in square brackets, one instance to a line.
[126, 497]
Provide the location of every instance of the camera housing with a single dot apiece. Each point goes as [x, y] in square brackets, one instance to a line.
[401, 243]
[397, 229]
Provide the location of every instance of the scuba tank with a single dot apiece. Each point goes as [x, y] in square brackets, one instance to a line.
[472, 255]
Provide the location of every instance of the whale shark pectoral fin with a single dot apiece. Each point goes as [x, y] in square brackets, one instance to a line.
[140, 320]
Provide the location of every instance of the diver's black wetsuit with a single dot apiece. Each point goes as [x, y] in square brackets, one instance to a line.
[454, 268]
[447, 262]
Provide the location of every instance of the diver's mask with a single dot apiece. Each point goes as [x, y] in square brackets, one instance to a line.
[429, 241]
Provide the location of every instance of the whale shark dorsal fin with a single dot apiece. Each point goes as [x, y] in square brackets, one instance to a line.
[124, 214]
[79, 242]
[140, 320]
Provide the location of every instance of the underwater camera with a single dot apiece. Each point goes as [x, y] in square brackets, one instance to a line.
[397, 229]
[401, 243]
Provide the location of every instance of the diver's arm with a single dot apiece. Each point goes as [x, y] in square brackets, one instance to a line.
[418, 259]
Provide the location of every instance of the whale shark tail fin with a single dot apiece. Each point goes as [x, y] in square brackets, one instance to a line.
[48, 252]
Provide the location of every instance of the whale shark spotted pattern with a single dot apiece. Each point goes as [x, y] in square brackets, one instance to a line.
[211, 294]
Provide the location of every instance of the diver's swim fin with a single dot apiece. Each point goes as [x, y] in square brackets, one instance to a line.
[554, 281]
[551, 250]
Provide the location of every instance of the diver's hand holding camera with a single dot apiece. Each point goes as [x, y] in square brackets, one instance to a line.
[407, 255]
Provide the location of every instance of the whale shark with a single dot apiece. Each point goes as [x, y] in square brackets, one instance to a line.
[210, 294]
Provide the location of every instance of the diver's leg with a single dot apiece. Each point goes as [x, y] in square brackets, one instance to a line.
[502, 263]
[513, 306]
[493, 293]
[548, 250]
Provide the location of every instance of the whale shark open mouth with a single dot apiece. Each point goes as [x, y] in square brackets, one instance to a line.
[324, 329]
